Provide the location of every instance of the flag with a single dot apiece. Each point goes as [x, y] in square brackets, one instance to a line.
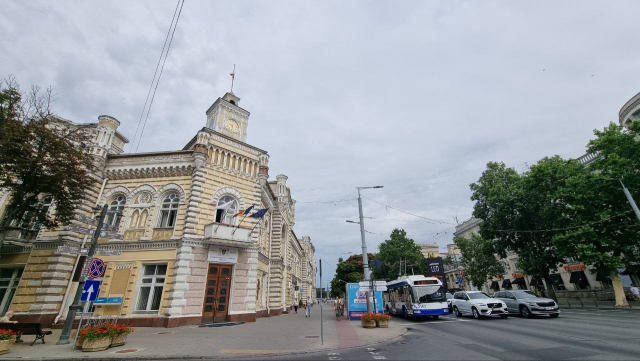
[260, 213]
[239, 213]
[226, 205]
[248, 210]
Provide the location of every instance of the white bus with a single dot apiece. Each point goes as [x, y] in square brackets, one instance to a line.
[416, 296]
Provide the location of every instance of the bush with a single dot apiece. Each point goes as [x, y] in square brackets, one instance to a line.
[8, 335]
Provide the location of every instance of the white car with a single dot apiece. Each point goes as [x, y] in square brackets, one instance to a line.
[478, 304]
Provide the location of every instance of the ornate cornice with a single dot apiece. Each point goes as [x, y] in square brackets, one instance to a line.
[150, 172]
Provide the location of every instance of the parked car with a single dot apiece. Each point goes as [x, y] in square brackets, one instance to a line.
[449, 299]
[478, 304]
[528, 303]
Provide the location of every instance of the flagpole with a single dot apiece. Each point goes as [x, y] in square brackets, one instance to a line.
[254, 227]
[233, 77]
[223, 215]
[245, 216]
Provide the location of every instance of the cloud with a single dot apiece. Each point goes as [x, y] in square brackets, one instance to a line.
[416, 96]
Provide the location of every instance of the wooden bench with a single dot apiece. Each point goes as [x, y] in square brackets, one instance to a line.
[26, 329]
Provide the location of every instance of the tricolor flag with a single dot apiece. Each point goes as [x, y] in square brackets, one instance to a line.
[260, 213]
[239, 213]
[248, 210]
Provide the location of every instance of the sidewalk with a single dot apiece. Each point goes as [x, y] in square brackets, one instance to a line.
[568, 303]
[292, 333]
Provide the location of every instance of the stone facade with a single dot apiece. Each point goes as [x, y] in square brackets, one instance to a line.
[184, 258]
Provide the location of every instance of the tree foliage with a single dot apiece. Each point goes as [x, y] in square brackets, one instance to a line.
[395, 250]
[478, 259]
[39, 157]
[348, 271]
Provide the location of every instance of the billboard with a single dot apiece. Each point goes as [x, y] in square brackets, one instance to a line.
[357, 301]
[435, 268]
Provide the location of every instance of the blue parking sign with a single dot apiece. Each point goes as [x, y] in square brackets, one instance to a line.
[90, 290]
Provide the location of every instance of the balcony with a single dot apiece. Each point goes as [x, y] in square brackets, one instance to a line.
[220, 233]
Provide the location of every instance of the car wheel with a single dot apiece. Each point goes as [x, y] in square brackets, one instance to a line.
[525, 312]
[476, 314]
[435, 317]
[554, 315]
[504, 316]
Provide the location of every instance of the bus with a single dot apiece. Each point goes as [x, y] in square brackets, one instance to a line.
[416, 296]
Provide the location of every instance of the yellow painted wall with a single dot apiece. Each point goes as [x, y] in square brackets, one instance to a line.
[37, 263]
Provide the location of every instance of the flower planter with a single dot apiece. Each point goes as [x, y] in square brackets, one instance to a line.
[5, 346]
[383, 323]
[368, 323]
[99, 344]
[118, 340]
[78, 344]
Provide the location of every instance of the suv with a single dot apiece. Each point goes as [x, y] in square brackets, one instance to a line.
[528, 303]
[479, 304]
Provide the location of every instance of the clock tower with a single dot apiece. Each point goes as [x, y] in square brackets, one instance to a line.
[225, 116]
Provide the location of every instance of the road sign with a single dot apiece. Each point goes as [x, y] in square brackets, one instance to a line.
[97, 268]
[85, 268]
[85, 219]
[90, 290]
[72, 250]
[79, 229]
[115, 236]
[108, 252]
[108, 301]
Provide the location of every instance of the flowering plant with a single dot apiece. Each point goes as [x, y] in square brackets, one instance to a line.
[94, 333]
[8, 334]
[118, 329]
[368, 317]
[382, 317]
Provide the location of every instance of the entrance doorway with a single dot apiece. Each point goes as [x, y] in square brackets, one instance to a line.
[216, 295]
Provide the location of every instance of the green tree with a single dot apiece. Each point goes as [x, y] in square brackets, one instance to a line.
[606, 230]
[398, 248]
[478, 259]
[39, 158]
[348, 271]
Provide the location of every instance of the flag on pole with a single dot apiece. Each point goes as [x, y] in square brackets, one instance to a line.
[260, 213]
[248, 210]
[239, 213]
[226, 205]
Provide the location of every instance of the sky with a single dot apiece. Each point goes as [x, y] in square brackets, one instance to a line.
[416, 96]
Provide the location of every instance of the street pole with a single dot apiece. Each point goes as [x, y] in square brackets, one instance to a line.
[321, 324]
[365, 260]
[630, 199]
[73, 309]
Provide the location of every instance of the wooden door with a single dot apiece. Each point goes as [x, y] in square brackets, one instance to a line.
[216, 295]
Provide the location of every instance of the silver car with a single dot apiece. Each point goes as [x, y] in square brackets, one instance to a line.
[528, 303]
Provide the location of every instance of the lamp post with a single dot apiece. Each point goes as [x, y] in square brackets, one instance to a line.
[365, 258]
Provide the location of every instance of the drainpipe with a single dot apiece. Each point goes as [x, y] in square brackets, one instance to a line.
[66, 294]
[269, 269]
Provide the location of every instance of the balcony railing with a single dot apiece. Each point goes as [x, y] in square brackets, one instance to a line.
[227, 232]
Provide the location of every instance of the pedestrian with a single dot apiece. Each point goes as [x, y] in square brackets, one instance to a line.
[7, 319]
[635, 291]
[308, 307]
[295, 306]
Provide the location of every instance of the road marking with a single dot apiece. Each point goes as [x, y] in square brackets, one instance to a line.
[379, 358]
[333, 354]
[334, 358]
[370, 349]
[232, 351]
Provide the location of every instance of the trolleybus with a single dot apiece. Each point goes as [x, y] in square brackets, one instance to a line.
[416, 296]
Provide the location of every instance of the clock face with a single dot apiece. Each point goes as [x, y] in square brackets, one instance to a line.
[231, 125]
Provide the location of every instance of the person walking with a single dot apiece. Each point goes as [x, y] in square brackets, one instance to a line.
[635, 291]
[295, 306]
[308, 307]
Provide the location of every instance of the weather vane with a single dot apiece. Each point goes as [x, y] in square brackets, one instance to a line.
[233, 76]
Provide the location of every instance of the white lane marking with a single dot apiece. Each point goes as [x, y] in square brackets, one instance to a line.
[333, 354]
[334, 358]
[379, 358]
[370, 349]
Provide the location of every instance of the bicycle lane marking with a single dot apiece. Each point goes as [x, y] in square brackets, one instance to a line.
[347, 336]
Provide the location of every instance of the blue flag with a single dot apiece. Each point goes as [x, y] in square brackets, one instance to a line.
[260, 213]
[247, 211]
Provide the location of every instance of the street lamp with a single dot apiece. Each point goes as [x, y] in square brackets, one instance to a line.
[365, 260]
[629, 197]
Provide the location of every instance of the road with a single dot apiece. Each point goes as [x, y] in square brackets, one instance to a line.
[581, 334]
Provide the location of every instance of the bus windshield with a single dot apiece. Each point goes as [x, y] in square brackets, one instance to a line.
[429, 293]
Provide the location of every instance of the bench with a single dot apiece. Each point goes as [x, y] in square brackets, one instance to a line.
[26, 329]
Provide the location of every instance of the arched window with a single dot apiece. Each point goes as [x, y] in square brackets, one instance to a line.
[169, 210]
[116, 205]
[226, 215]
[133, 223]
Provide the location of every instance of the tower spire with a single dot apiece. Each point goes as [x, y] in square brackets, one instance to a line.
[233, 76]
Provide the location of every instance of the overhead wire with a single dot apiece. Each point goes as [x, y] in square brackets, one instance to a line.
[175, 26]
[409, 213]
[557, 229]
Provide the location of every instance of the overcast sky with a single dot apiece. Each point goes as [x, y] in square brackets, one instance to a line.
[417, 96]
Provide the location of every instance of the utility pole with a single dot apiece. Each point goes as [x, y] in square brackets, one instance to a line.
[630, 199]
[321, 323]
[365, 260]
[73, 309]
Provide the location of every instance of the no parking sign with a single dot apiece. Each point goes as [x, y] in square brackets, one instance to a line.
[97, 268]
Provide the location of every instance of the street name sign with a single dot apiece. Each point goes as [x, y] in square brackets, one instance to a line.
[79, 229]
[90, 291]
[72, 250]
[108, 301]
[108, 252]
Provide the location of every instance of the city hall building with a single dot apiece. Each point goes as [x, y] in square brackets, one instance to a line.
[183, 258]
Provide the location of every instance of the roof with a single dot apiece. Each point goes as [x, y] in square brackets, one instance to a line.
[208, 130]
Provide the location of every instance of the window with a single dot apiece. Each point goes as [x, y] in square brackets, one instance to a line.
[9, 278]
[169, 210]
[226, 215]
[117, 205]
[151, 286]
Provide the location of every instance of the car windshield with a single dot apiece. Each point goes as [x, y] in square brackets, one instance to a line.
[477, 296]
[449, 296]
[525, 294]
[429, 293]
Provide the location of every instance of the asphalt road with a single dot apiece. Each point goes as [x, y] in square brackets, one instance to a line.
[581, 334]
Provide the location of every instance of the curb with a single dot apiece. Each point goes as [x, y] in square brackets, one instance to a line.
[200, 357]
